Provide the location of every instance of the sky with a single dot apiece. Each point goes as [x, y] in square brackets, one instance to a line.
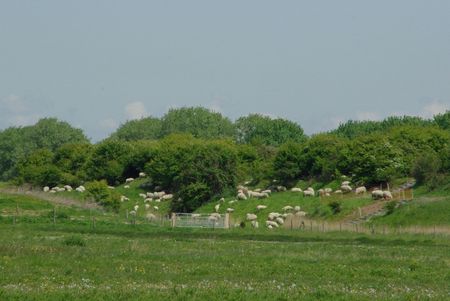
[97, 64]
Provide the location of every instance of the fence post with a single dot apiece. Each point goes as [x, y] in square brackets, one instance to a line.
[227, 221]
[340, 227]
[173, 220]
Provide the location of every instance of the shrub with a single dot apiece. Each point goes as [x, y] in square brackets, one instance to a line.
[190, 197]
[101, 194]
[390, 207]
[335, 207]
[74, 241]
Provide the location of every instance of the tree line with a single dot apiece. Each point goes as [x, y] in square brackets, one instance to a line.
[199, 154]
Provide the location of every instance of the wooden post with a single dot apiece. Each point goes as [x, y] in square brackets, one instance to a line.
[340, 227]
[227, 221]
[174, 218]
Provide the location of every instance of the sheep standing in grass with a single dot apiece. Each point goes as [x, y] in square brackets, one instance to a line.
[251, 216]
[377, 194]
[241, 196]
[230, 210]
[167, 197]
[360, 190]
[129, 180]
[143, 195]
[287, 208]
[46, 189]
[387, 195]
[346, 188]
[142, 174]
[255, 224]
[156, 208]
[261, 207]
[216, 208]
[126, 186]
[308, 193]
[271, 224]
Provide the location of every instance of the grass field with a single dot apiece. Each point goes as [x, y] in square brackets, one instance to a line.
[63, 262]
[118, 260]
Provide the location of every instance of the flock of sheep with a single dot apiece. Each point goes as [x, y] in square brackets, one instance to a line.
[275, 219]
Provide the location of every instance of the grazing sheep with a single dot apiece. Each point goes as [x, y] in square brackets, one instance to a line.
[148, 200]
[300, 213]
[132, 212]
[147, 206]
[269, 227]
[273, 215]
[268, 191]
[287, 208]
[345, 183]
[124, 198]
[232, 202]
[261, 207]
[258, 195]
[360, 190]
[255, 224]
[126, 186]
[143, 195]
[377, 194]
[308, 193]
[46, 189]
[68, 187]
[279, 221]
[129, 180]
[142, 174]
[150, 216]
[230, 210]
[52, 191]
[387, 195]
[321, 192]
[328, 190]
[241, 196]
[150, 194]
[346, 188]
[296, 189]
[272, 224]
[156, 208]
[281, 188]
[157, 201]
[136, 207]
[216, 208]
[338, 191]
[297, 208]
[222, 200]
[251, 216]
[167, 197]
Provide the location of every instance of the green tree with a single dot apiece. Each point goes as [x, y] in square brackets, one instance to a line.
[256, 128]
[198, 121]
[443, 120]
[286, 164]
[101, 194]
[38, 169]
[148, 128]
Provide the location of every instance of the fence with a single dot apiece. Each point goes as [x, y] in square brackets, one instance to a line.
[196, 220]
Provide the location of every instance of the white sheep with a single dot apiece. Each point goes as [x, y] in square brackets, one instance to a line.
[142, 174]
[321, 192]
[150, 216]
[136, 207]
[338, 191]
[222, 200]
[111, 187]
[387, 195]
[328, 190]
[46, 189]
[124, 198]
[255, 224]
[261, 207]
[297, 208]
[129, 180]
[147, 206]
[273, 215]
[148, 200]
[126, 186]
[345, 183]
[230, 210]
[272, 224]
[143, 195]
[216, 208]
[308, 193]
[241, 196]
[132, 212]
[287, 208]
[377, 194]
[360, 190]
[232, 202]
[150, 194]
[68, 187]
[346, 188]
[268, 191]
[300, 213]
[296, 189]
[156, 208]
[281, 188]
[167, 197]
[279, 221]
[251, 217]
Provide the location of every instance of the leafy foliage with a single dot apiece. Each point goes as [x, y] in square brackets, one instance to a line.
[101, 194]
[140, 129]
[256, 128]
[198, 121]
[286, 164]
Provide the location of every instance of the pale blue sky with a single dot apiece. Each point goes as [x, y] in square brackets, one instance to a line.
[99, 63]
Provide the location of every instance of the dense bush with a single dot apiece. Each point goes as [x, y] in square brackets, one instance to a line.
[286, 164]
[101, 194]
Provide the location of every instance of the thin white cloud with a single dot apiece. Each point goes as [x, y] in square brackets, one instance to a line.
[135, 110]
[362, 116]
[434, 108]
